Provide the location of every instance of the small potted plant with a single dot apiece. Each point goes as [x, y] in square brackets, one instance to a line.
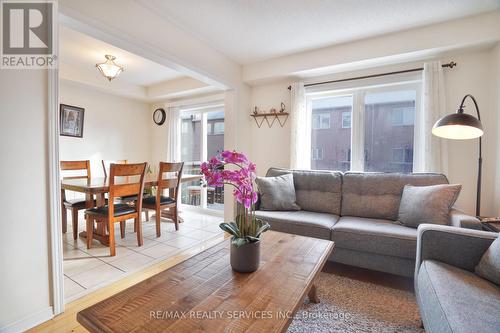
[234, 168]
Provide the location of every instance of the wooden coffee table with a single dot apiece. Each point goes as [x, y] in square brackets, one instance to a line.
[203, 294]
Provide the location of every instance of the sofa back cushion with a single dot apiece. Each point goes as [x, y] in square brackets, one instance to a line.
[377, 195]
[315, 191]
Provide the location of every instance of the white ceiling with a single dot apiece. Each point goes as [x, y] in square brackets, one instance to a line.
[82, 51]
[249, 31]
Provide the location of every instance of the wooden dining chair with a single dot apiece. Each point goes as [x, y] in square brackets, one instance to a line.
[76, 204]
[127, 199]
[119, 212]
[161, 202]
[107, 163]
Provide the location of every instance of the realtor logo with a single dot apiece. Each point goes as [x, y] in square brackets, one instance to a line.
[28, 34]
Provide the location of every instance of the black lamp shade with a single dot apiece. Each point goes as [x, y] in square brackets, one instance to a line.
[458, 126]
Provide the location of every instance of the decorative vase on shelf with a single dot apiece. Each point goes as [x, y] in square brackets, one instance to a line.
[233, 168]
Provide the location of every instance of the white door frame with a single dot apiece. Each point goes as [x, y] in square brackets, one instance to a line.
[97, 30]
[56, 242]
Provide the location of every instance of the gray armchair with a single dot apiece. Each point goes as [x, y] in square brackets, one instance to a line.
[450, 296]
[461, 220]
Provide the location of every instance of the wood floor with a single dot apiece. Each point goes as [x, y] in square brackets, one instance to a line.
[66, 322]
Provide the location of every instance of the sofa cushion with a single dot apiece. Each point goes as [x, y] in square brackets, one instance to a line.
[316, 191]
[455, 300]
[375, 236]
[277, 193]
[301, 222]
[489, 265]
[377, 195]
[427, 204]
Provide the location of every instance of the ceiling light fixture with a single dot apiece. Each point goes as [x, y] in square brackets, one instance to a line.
[109, 68]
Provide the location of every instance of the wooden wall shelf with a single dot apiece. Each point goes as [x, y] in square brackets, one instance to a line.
[270, 118]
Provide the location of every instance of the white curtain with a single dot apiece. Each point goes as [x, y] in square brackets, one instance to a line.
[300, 138]
[174, 134]
[431, 153]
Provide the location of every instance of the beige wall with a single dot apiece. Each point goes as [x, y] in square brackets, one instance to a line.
[24, 253]
[496, 109]
[115, 128]
[473, 75]
[270, 146]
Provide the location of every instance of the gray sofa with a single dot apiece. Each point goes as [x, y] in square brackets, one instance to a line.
[451, 298]
[358, 212]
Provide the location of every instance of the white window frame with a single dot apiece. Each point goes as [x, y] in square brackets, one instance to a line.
[358, 94]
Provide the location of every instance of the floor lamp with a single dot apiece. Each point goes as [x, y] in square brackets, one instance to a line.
[462, 126]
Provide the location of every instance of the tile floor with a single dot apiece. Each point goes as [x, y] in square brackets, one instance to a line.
[86, 270]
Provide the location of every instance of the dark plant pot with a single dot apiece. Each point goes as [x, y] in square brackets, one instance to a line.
[246, 258]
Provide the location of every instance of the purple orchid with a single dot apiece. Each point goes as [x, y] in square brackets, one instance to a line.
[217, 175]
[247, 228]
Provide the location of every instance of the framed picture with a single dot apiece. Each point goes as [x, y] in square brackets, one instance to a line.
[71, 120]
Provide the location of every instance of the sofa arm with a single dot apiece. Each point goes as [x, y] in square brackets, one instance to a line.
[461, 220]
[458, 247]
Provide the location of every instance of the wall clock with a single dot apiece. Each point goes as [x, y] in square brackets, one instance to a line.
[159, 116]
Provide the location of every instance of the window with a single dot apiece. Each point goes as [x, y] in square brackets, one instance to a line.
[197, 147]
[334, 141]
[402, 158]
[218, 128]
[346, 119]
[389, 118]
[321, 121]
[317, 154]
[184, 127]
[378, 137]
[403, 116]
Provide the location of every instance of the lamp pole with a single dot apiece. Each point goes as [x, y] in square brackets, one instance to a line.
[480, 159]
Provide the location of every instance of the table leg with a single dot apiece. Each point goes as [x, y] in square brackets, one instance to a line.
[89, 203]
[100, 201]
[313, 296]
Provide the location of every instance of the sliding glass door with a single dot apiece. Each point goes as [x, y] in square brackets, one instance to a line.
[202, 136]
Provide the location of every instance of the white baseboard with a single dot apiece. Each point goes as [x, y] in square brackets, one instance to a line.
[29, 321]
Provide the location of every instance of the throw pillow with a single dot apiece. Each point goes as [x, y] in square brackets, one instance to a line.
[489, 265]
[427, 204]
[277, 193]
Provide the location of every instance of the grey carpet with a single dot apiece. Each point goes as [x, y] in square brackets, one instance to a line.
[349, 305]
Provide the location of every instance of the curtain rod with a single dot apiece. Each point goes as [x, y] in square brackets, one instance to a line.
[449, 65]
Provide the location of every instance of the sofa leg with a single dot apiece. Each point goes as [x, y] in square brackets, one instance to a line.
[421, 324]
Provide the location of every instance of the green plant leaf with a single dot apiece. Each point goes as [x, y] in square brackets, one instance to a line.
[262, 228]
[253, 239]
[239, 241]
[229, 228]
[235, 227]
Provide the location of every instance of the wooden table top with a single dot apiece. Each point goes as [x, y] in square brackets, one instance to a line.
[101, 184]
[203, 294]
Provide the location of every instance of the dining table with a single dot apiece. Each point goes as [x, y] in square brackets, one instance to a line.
[95, 189]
